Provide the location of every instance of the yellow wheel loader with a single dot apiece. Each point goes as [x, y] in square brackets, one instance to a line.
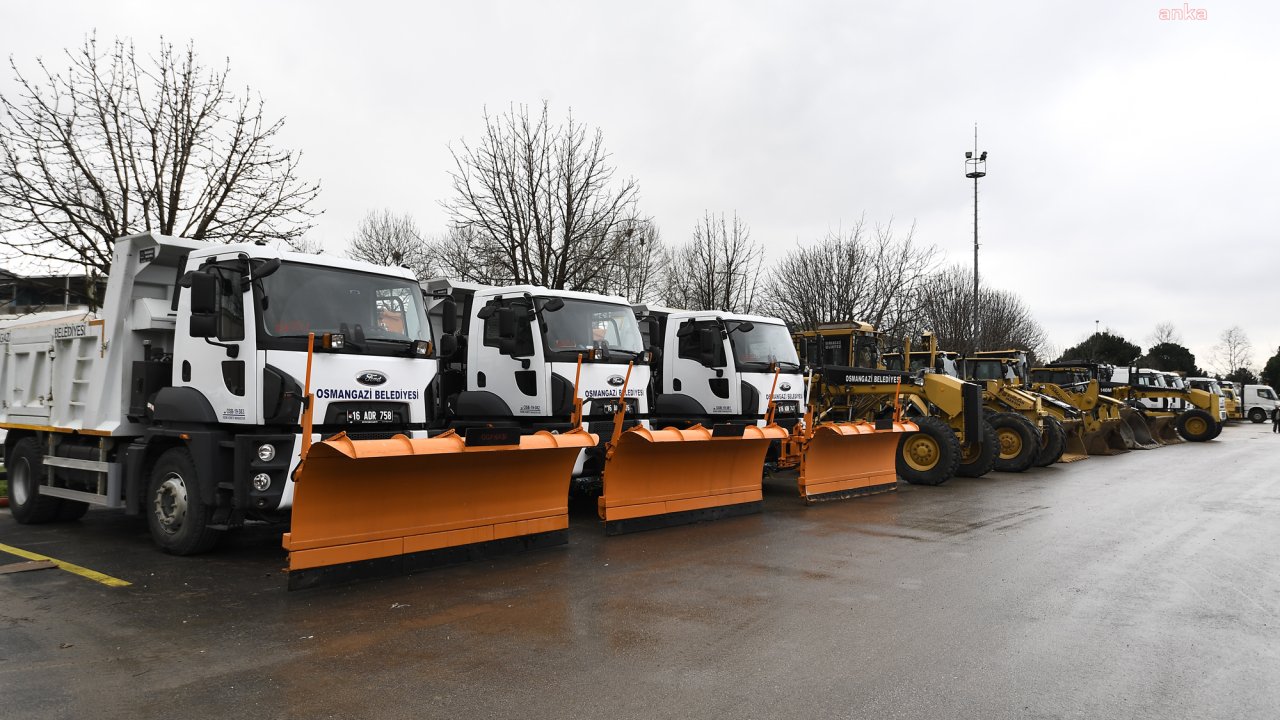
[720, 369]
[1196, 414]
[853, 383]
[1111, 427]
[1004, 376]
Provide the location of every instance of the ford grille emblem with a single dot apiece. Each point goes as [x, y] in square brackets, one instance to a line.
[369, 377]
[616, 380]
[784, 386]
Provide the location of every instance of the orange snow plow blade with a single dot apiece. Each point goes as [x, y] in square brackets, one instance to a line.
[365, 508]
[658, 478]
[847, 459]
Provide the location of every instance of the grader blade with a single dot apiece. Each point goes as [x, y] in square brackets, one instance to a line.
[848, 459]
[365, 508]
[1139, 431]
[659, 478]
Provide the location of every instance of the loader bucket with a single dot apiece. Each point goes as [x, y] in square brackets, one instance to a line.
[658, 478]
[365, 508]
[1075, 449]
[1108, 439]
[848, 459]
[1164, 429]
[1140, 432]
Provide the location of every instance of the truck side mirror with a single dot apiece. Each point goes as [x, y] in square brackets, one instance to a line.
[204, 293]
[507, 323]
[708, 346]
[448, 346]
[449, 318]
[204, 325]
[552, 305]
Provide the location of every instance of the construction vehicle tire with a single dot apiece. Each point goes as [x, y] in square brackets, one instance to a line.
[1053, 442]
[1019, 442]
[929, 456]
[1217, 430]
[177, 515]
[1257, 416]
[980, 460]
[1196, 426]
[25, 466]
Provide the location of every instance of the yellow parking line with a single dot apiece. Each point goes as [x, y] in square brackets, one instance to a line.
[69, 567]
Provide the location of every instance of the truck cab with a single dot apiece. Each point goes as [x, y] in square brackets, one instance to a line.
[1258, 402]
[513, 355]
[717, 367]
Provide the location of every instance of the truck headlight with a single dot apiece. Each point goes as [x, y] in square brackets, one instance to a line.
[261, 482]
[266, 452]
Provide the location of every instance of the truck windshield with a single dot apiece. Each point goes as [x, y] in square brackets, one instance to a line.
[583, 325]
[386, 313]
[762, 346]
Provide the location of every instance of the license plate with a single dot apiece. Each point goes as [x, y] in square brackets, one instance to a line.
[360, 417]
[788, 407]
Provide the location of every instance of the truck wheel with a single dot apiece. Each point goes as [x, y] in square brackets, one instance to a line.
[1053, 441]
[1217, 430]
[980, 457]
[25, 466]
[1019, 442]
[1195, 426]
[930, 456]
[176, 514]
[1257, 415]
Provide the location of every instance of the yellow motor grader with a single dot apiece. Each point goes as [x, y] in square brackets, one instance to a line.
[1004, 375]
[1111, 427]
[852, 382]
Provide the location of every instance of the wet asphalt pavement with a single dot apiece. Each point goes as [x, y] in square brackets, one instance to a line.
[1145, 585]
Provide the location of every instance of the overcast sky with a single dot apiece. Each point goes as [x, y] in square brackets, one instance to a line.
[1133, 160]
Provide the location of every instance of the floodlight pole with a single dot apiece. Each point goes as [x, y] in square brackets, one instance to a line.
[975, 166]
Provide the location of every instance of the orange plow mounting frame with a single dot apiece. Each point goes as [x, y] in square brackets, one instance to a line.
[659, 478]
[848, 459]
[365, 508]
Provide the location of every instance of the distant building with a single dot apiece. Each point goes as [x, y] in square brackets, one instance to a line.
[20, 294]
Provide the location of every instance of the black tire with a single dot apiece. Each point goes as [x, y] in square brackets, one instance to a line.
[1196, 426]
[1217, 430]
[25, 467]
[176, 514]
[1257, 416]
[930, 456]
[1019, 442]
[981, 460]
[1053, 441]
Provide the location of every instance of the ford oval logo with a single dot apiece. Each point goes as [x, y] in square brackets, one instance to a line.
[784, 386]
[369, 377]
[616, 380]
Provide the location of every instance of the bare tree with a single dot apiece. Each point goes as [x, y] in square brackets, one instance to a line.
[538, 203]
[1165, 332]
[385, 238]
[718, 269]
[1233, 351]
[117, 144]
[1004, 320]
[862, 274]
[639, 265]
[305, 244]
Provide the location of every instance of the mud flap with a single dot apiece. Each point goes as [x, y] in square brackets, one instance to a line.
[365, 508]
[1139, 437]
[658, 478]
[848, 459]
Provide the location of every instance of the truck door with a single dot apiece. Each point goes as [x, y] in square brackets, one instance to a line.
[509, 360]
[700, 367]
[215, 348]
